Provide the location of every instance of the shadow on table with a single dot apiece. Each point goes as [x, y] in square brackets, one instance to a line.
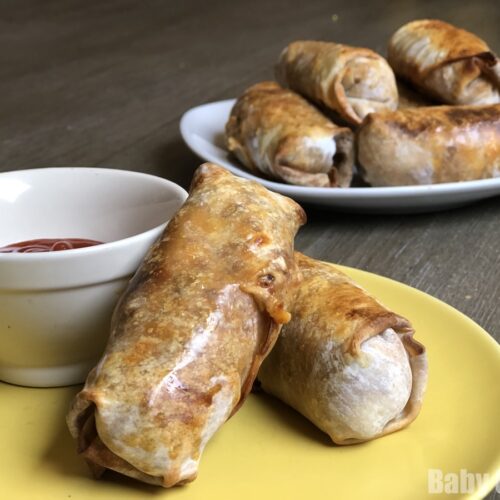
[288, 417]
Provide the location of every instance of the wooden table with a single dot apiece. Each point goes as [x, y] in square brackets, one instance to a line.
[105, 84]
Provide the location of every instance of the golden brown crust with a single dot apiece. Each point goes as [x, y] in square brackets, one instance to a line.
[353, 316]
[189, 334]
[275, 132]
[319, 364]
[429, 145]
[446, 62]
[351, 81]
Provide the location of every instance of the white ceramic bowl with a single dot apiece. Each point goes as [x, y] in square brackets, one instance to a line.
[55, 307]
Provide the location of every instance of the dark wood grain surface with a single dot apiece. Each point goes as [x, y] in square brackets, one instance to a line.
[105, 84]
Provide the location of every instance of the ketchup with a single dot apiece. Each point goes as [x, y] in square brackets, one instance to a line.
[48, 245]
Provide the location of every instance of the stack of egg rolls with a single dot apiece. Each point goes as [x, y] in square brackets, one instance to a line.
[458, 141]
[201, 315]
[275, 132]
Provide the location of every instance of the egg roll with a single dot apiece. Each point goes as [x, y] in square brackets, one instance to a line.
[351, 81]
[276, 133]
[345, 361]
[430, 145]
[190, 332]
[447, 63]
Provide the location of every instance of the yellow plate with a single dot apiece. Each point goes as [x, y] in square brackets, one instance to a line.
[267, 451]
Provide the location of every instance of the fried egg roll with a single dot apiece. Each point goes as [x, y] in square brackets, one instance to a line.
[275, 132]
[345, 361]
[430, 145]
[190, 332]
[351, 81]
[445, 62]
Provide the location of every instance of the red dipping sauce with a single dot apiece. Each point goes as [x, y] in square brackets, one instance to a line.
[48, 245]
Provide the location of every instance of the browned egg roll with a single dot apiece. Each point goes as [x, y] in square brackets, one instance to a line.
[351, 81]
[275, 132]
[446, 62]
[430, 145]
[345, 361]
[190, 332]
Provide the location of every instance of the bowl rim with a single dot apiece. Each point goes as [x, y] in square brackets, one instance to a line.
[16, 257]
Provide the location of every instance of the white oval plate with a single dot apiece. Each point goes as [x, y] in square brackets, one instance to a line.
[202, 129]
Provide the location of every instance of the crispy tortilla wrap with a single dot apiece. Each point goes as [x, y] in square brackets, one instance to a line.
[190, 332]
[430, 145]
[445, 62]
[345, 361]
[276, 133]
[351, 81]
